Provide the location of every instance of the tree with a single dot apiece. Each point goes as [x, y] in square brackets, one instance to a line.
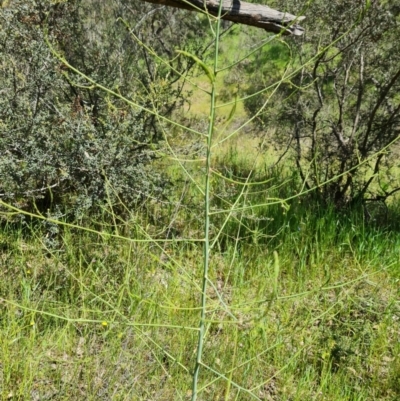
[346, 106]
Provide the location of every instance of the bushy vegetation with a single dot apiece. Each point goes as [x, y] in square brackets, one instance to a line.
[66, 143]
[164, 253]
[339, 105]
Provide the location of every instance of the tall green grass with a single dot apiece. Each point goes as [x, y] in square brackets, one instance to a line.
[99, 317]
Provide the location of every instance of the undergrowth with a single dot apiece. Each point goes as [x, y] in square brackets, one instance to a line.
[100, 317]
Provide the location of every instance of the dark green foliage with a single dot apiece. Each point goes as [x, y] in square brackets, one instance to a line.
[61, 144]
[64, 142]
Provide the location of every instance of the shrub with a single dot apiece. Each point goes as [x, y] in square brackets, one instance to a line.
[64, 143]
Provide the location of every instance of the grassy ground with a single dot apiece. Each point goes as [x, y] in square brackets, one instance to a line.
[100, 317]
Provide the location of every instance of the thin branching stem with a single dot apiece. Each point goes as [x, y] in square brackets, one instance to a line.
[207, 199]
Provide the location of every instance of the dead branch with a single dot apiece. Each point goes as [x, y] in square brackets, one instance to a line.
[243, 13]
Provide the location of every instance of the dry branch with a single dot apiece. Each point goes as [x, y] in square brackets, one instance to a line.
[243, 13]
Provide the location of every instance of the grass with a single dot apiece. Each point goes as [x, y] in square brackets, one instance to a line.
[97, 317]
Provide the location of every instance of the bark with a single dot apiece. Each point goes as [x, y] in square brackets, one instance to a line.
[243, 13]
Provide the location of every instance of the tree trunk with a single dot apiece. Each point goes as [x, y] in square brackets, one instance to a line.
[243, 13]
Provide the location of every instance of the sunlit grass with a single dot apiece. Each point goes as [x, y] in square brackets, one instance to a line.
[101, 318]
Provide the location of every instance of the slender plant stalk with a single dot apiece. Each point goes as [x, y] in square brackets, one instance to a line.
[207, 196]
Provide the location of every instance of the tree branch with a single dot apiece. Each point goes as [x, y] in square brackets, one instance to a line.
[243, 13]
